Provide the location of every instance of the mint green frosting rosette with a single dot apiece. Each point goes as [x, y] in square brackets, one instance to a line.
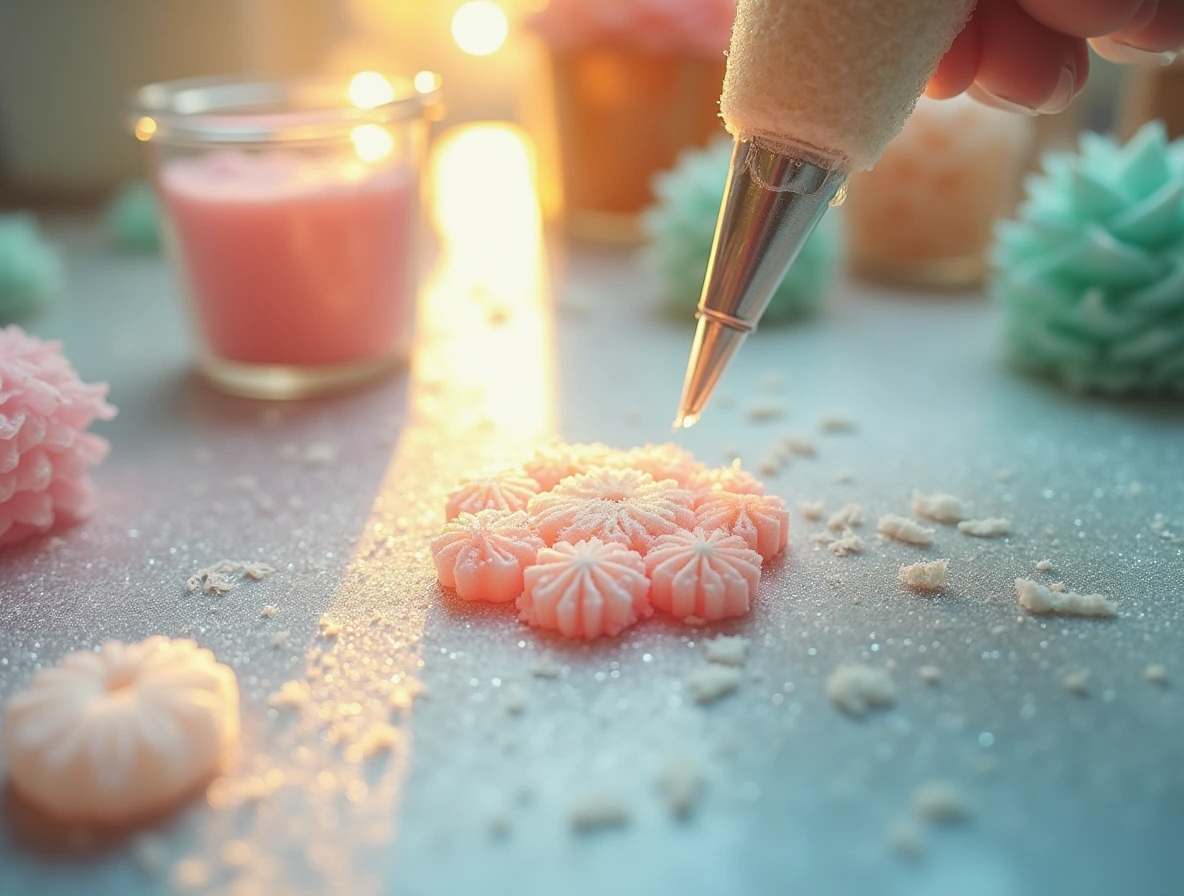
[31, 269]
[1090, 275]
[681, 225]
[133, 218]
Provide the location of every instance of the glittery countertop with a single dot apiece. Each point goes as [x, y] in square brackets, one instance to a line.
[421, 751]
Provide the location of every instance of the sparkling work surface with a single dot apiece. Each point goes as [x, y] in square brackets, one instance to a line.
[1066, 793]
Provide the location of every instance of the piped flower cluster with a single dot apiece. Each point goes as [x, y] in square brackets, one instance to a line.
[587, 540]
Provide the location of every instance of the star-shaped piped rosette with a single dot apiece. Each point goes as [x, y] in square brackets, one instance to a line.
[117, 735]
[762, 521]
[551, 464]
[625, 506]
[481, 556]
[665, 461]
[705, 483]
[711, 575]
[505, 491]
[585, 590]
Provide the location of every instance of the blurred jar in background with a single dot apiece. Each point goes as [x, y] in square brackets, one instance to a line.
[66, 67]
[924, 215]
[291, 212]
[634, 82]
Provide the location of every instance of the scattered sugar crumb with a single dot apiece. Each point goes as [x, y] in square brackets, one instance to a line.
[990, 527]
[1005, 475]
[499, 823]
[329, 627]
[799, 445]
[681, 781]
[380, 737]
[405, 695]
[846, 544]
[762, 410]
[844, 476]
[280, 639]
[731, 453]
[599, 809]
[268, 612]
[1136, 489]
[770, 465]
[291, 694]
[257, 571]
[811, 510]
[1156, 673]
[52, 544]
[546, 667]
[1036, 598]
[998, 629]
[376, 619]
[514, 699]
[1044, 566]
[925, 577]
[836, 423]
[150, 853]
[939, 802]
[730, 650]
[822, 538]
[711, 682]
[319, 454]
[940, 507]
[771, 381]
[906, 837]
[856, 689]
[905, 530]
[930, 674]
[1076, 682]
[848, 516]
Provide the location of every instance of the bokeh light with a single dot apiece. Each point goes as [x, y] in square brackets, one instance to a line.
[480, 27]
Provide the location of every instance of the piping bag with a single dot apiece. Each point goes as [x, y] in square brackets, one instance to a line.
[814, 90]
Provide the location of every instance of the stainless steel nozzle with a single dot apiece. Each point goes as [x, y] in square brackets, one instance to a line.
[772, 203]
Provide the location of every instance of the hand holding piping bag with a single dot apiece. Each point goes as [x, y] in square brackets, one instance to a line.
[1030, 55]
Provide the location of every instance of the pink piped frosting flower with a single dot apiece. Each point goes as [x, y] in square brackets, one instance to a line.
[673, 27]
[762, 521]
[481, 556]
[625, 506]
[45, 450]
[551, 464]
[585, 590]
[507, 491]
[705, 483]
[665, 461]
[711, 575]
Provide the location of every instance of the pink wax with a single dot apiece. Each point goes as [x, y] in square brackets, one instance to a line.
[295, 259]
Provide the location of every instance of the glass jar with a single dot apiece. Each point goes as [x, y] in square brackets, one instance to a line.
[291, 214]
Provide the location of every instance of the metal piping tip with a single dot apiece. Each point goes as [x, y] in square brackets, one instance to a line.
[772, 203]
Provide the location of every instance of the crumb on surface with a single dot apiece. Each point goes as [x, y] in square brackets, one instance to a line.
[799, 445]
[712, 681]
[268, 612]
[730, 650]
[849, 516]
[599, 809]
[844, 476]
[380, 737]
[989, 527]
[330, 628]
[1036, 598]
[681, 782]
[836, 423]
[940, 802]
[1076, 682]
[925, 577]
[811, 510]
[514, 699]
[846, 544]
[319, 454]
[280, 639]
[291, 694]
[904, 530]
[1044, 566]
[546, 667]
[1156, 673]
[771, 381]
[930, 674]
[940, 507]
[906, 837]
[499, 823]
[762, 410]
[856, 689]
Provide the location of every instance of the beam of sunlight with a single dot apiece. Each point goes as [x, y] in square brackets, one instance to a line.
[319, 808]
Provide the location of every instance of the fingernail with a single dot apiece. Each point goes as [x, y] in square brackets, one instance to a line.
[997, 102]
[1124, 54]
[1061, 95]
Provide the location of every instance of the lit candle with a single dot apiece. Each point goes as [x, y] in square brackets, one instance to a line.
[924, 214]
[293, 230]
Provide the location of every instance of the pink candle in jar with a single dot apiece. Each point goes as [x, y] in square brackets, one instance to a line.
[293, 259]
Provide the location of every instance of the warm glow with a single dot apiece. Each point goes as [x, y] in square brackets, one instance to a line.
[480, 27]
[371, 142]
[426, 82]
[145, 128]
[370, 89]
